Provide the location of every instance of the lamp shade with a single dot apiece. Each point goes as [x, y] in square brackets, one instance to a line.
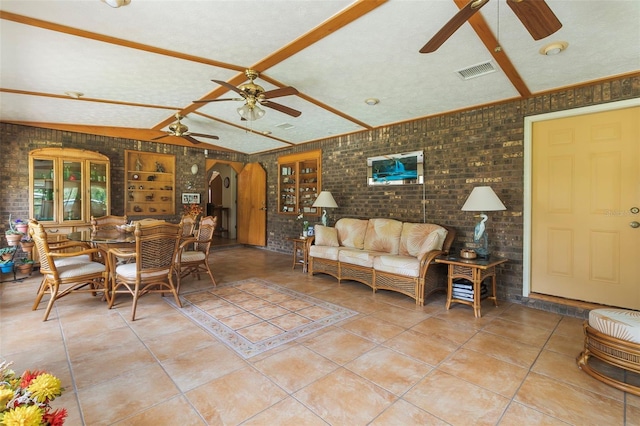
[483, 199]
[250, 112]
[325, 199]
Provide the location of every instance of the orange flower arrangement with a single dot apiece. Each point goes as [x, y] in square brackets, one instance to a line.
[192, 210]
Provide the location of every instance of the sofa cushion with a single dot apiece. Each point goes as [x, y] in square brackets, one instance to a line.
[351, 232]
[326, 236]
[396, 264]
[420, 238]
[358, 257]
[324, 252]
[383, 235]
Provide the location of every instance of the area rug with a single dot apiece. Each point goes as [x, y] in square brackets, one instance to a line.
[254, 315]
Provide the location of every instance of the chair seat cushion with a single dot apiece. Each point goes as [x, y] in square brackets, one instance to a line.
[192, 256]
[63, 261]
[128, 271]
[622, 324]
[358, 257]
[79, 269]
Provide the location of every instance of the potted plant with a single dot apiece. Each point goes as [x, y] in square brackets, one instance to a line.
[7, 252]
[6, 266]
[12, 235]
[26, 243]
[20, 225]
[25, 265]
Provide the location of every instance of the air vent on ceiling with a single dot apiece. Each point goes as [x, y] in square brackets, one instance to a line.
[285, 126]
[476, 70]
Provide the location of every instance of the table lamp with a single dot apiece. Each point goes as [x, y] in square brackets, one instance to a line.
[482, 199]
[325, 200]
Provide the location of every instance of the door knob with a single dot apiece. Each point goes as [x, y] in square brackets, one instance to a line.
[634, 224]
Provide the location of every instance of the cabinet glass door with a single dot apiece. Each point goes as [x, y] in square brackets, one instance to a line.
[43, 196]
[72, 190]
[98, 189]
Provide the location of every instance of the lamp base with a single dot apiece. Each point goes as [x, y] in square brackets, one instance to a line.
[483, 251]
[324, 218]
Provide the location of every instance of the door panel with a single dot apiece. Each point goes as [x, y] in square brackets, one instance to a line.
[252, 205]
[585, 181]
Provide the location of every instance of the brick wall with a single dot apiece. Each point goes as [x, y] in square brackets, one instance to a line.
[481, 146]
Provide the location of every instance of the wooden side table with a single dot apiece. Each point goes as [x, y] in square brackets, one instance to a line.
[474, 270]
[300, 253]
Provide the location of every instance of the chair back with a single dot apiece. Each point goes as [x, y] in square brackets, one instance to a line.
[107, 223]
[188, 225]
[205, 233]
[156, 245]
[39, 236]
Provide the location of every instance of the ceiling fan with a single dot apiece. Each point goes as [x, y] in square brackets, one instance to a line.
[536, 16]
[254, 95]
[178, 129]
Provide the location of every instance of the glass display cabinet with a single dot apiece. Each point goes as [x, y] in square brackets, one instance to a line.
[67, 186]
[299, 182]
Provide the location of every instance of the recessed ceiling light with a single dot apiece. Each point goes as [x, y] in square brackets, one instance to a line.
[266, 132]
[372, 101]
[554, 48]
[74, 95]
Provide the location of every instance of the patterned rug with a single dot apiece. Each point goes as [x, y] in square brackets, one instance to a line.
[254, 315]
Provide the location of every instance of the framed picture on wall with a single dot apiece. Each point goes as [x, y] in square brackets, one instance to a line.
[190, 198]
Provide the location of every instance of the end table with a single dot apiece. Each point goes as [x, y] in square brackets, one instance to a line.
[474, 270]
[300, 252]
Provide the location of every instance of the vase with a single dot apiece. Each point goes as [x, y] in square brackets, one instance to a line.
[13, 239]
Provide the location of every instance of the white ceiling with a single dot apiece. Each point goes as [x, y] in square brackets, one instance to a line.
[140, 64]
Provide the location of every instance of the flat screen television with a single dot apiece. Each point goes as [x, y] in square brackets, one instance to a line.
[396, 169]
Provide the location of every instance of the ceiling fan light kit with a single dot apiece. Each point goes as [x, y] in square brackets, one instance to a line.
[250, 113]
[116, 3]
[554, 48]
[182, 131]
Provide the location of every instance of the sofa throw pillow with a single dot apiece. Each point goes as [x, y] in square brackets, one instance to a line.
[420, 238]
[326, 236]
[383, 235]
[351, 232]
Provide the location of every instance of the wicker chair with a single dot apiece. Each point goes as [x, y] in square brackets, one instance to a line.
[188, 225]
[67, 272]
[107, 223]
[197, 260]
[152, 266]
[613, 337]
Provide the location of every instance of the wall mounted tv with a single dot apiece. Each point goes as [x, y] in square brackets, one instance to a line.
[396, 169]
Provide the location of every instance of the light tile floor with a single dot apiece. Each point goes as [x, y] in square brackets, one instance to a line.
[393, 364]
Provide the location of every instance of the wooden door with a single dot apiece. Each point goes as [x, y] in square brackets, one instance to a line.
[252, 205]
[585, 192]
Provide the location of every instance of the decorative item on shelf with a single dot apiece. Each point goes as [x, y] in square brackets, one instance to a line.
[149, 197]
[165, 198]
[325, 200]
[137, 209]
[138, 163]
[159, 167]
[26, 399]
[468, 254]
[136, 177]
[482, 199]
[151, 178]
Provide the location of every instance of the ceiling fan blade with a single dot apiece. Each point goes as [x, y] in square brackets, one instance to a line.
[452, 26]
[202, 135]
[275, 93]
[217, 100]
[230, 87]
[190, 139]
[160, 137]
[536, 16]
[278, 107]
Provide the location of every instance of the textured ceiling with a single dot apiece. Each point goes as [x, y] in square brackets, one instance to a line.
[140, 64]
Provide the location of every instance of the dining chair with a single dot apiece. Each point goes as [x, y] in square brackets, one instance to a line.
[152, 263]
[188, 225]
[195, 260]
[107, 223]
[67, 272]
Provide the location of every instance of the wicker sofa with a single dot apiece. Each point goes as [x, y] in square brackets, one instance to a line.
[383, 254]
